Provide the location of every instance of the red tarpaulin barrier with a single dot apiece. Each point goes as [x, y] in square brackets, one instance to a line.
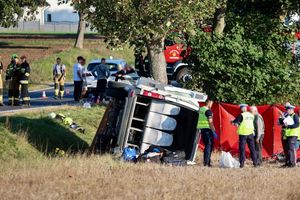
[227, 133]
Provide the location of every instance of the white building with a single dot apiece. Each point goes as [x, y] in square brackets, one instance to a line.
[57, 13]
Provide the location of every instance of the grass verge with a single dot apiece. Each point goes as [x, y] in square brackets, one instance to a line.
[35, 134]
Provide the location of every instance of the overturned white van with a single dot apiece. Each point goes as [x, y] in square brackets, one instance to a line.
[149, 113]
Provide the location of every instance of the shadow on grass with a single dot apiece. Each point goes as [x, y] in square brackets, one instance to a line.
[45, 134]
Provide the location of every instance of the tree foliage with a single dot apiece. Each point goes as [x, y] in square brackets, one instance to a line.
[12, 10]
[248, 63]
[148, 22]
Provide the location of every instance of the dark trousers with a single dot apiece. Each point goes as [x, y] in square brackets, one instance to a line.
[208, 140]
[285, 149]
[100, 90]
[77, 90]
[249, 139]
[25, 94]
[291, 143]
[13, 92]
[258, 148]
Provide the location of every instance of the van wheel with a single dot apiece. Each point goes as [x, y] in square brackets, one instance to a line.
[184, 76]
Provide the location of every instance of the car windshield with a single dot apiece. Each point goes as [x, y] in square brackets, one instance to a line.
[110, 66]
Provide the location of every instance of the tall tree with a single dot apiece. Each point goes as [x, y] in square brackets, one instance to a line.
[83, 8]
[148, 22]
[11, 11]
[248, 63]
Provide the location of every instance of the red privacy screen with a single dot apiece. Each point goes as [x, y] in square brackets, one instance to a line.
[228, 137]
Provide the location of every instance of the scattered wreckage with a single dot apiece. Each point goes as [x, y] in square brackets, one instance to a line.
[149, 121]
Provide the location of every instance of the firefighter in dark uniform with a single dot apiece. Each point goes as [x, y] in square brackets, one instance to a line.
[12, 78]
[24, 80]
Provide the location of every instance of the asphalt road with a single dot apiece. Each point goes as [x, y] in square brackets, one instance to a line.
[37, 100]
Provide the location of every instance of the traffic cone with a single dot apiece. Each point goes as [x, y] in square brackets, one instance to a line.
[44, 96]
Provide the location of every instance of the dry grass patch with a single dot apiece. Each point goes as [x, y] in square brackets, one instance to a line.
[106, 178]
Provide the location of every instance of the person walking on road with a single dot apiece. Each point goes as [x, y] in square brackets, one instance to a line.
[59, 76]
[78, 78]
[245, 124]
[24, 80]
[12, 78]
[207, 130]
[290, 124]
[102, 73]
[1, 82]
[259, 130]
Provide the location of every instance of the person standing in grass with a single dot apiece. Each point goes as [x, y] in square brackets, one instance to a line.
[259, 130]
[290, 124]
[207, 129]
[101, 72]
[59, 76]
[245, 124]
[78, 78]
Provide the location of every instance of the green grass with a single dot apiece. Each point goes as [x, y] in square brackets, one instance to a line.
[42, 69]
[23, 136]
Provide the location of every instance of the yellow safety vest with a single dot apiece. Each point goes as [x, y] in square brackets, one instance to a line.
[247, 125]
[289, 132]
[202, 120]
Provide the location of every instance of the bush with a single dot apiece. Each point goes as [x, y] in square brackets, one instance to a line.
[246, 64]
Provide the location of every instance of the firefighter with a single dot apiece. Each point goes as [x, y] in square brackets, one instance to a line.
[1, 82]
[24, 80]
[245, 124]
[12, 73]
[59, 75]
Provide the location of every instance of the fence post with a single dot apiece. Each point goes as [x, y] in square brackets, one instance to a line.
[54, 28]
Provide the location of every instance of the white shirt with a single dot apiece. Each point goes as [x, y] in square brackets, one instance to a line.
[77, 68]
[59, 69]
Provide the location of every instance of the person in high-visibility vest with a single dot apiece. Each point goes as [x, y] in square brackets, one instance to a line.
[207, 130]
[291, 125]
[59, 76]
[283, 115]
[245, 124]
[24, 81]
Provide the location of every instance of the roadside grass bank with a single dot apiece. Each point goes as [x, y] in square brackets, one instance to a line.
[34, 134]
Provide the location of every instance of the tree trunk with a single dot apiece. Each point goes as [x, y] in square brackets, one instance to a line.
[157, 60]
[80, 31]
[219, 20]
